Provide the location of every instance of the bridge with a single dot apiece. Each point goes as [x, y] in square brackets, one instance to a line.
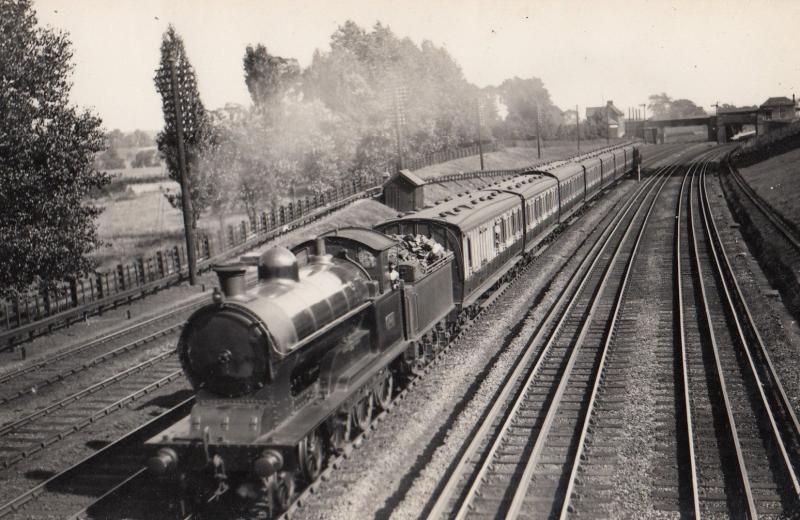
[719, 127]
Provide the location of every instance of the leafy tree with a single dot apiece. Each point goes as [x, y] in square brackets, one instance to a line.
[144, 158]
[197, 132]
[664, 107]
[268, 77]
[109, 159]
[115, 138]
[47, 149]
[369, 76]
[525, 100]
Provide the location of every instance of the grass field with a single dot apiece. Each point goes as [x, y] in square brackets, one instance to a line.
[776, 180]
[135, 225]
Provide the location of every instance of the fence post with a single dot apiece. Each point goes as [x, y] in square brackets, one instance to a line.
[231, 238]
[121, 275]
[162, 269]
[73, 291]
[18, 309]
[291, 211]
[282, 215]
[243, 231]
[178, 261]
[100, 290]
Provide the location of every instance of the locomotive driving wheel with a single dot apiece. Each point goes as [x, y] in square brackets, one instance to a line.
[383, 392]
[311, 456]
[339, 430]
[284, 491]
[362, 415]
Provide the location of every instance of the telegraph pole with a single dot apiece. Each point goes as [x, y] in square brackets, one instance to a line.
[480, 138]
[578, 126]
[538, 134]
[644, 117]
[186, 194]
[399, 121]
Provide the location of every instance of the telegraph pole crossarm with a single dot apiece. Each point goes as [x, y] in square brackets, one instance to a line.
[186, 196]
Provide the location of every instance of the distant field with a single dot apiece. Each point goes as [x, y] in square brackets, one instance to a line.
[137, 173]
[776, 181]
[136, 225]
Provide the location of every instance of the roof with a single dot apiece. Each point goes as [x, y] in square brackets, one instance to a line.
[590, 111]
[372, 239]
[410, 177]
[779, 101]
[468, 210]
[743, 110]
[565, 171]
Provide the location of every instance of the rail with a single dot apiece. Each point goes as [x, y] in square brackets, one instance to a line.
[529, 363]
[762, 205]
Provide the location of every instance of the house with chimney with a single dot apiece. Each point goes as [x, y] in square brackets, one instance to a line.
[608, 115]
[779, 108]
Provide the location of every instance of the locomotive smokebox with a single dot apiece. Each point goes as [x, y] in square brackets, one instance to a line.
[231, 279]
[278, 263]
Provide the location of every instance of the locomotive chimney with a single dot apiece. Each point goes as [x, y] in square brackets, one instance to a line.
[231, 279]
[278, 263]
[320, 256]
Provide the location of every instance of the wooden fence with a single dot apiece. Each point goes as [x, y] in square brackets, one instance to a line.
[448, 155]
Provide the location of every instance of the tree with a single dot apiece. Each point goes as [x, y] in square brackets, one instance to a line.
[268, 77]
[664, 107]
[144, 158]
[197, 127]
[47, 149]
[109, 159]
[525, 100]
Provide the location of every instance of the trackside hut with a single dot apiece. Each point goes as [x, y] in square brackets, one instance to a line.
[404, 191]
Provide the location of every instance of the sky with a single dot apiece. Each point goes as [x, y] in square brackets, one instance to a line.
[586, 52]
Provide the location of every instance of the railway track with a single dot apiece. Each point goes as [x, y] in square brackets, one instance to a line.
[48, 426]
[741, 432]
[537, 424]
[787, 233]
[97, 475]
[31, 379]
[136, 480]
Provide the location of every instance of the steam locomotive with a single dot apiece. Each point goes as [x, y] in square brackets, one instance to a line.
[287, 372]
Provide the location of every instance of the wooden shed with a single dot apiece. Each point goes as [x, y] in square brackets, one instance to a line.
[404, 191]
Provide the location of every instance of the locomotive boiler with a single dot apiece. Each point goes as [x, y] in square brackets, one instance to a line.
[286, 372]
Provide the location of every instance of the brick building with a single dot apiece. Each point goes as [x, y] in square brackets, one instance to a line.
[608, 115]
